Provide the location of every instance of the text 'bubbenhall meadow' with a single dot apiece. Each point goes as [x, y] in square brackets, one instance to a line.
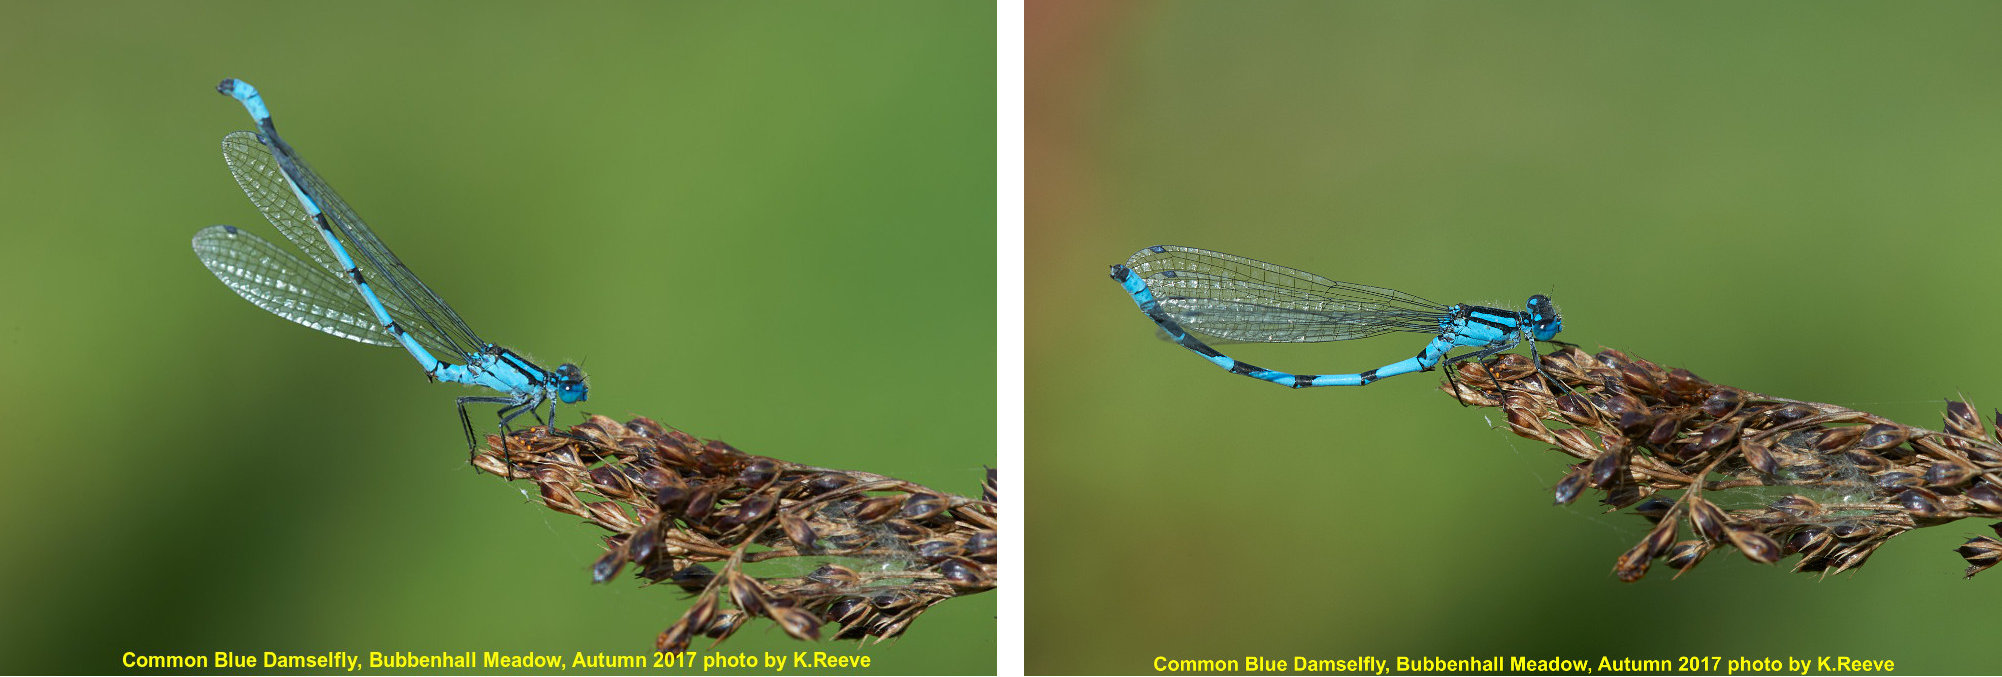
[1523, 664]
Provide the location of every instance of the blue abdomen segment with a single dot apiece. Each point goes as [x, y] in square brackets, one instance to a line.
[1184, 290]
[1135, 287]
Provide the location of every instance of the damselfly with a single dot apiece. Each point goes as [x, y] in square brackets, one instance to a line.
[1193, 291]
[337, 293]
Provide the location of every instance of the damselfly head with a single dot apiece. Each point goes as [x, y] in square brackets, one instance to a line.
[570, 384]
[1543, 320]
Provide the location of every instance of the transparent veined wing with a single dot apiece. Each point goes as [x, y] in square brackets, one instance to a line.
[385, 270]
[257, 172]
[1246, 300]
[287, 286]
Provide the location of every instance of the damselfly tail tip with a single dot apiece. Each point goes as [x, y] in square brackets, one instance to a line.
[241, 91]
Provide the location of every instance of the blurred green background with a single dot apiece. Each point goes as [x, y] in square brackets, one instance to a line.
[1795, 198]
[768, 224]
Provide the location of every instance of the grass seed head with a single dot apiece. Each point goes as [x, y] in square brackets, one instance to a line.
[675, 505]
[1677, 449]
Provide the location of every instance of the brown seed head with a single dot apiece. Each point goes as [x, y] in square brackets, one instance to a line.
[1682, 448]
